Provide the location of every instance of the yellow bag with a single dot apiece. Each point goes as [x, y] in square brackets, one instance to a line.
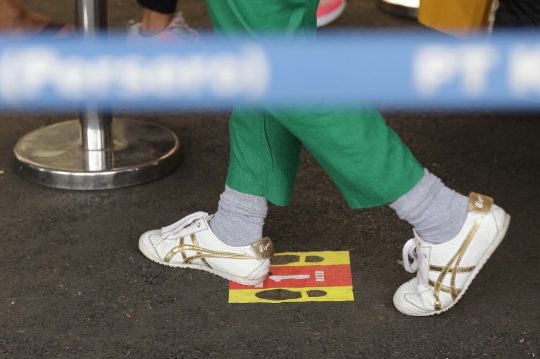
[457, 17]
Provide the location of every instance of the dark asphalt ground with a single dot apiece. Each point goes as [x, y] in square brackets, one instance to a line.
[74, 284]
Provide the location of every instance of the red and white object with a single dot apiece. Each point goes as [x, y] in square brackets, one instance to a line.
[328, 11]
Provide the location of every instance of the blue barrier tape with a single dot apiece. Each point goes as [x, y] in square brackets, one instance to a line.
[412, 71]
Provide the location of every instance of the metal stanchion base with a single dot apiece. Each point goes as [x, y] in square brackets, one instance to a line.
[398, 9]
[52, 156]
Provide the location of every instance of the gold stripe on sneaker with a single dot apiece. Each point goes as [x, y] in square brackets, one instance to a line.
[206, 253]
[202, 253]
[216, 255]
[182, 252]
[454, 292]
[443, 287]
[435, 268]
[199, 253]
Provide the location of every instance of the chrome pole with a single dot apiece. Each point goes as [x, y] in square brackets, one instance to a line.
[91, 17]
[83, 154]
[91, 21]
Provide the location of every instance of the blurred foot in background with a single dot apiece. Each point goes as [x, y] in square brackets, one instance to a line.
[163, 28]
[160, 23]
[16, 18]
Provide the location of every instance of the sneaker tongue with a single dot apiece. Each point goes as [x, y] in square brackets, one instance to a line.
[181, 224]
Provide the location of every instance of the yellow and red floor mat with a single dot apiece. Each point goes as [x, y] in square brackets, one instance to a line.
[301, 277]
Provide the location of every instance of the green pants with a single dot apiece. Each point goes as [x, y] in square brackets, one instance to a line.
[363, 156]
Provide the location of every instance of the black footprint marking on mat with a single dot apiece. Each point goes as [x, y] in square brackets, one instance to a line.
[286, 259]
[284, 294]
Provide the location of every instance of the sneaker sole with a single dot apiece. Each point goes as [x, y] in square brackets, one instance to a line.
[144, 250]
[328, 18]
[479, 266]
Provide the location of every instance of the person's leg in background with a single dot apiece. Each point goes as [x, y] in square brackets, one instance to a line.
[160, 23]
[157, 15]
[158, 18]
[15, 17]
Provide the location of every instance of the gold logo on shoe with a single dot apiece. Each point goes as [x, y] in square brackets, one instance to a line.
[479, 203]
[264, 248]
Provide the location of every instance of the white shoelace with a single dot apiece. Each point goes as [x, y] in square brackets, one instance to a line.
[410, 250]
[177, 227]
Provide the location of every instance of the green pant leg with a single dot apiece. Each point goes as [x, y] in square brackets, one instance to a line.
[258, 17]
[264, 154]
[360, 152]
[363, 156]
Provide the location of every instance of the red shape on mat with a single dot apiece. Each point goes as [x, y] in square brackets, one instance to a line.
[338, 275]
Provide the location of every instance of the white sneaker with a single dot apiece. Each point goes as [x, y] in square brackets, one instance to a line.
[190, 243]
[446, 270]
[178, 31]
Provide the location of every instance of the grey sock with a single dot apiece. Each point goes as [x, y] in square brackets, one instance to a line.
[436, 212]
[240, 218]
